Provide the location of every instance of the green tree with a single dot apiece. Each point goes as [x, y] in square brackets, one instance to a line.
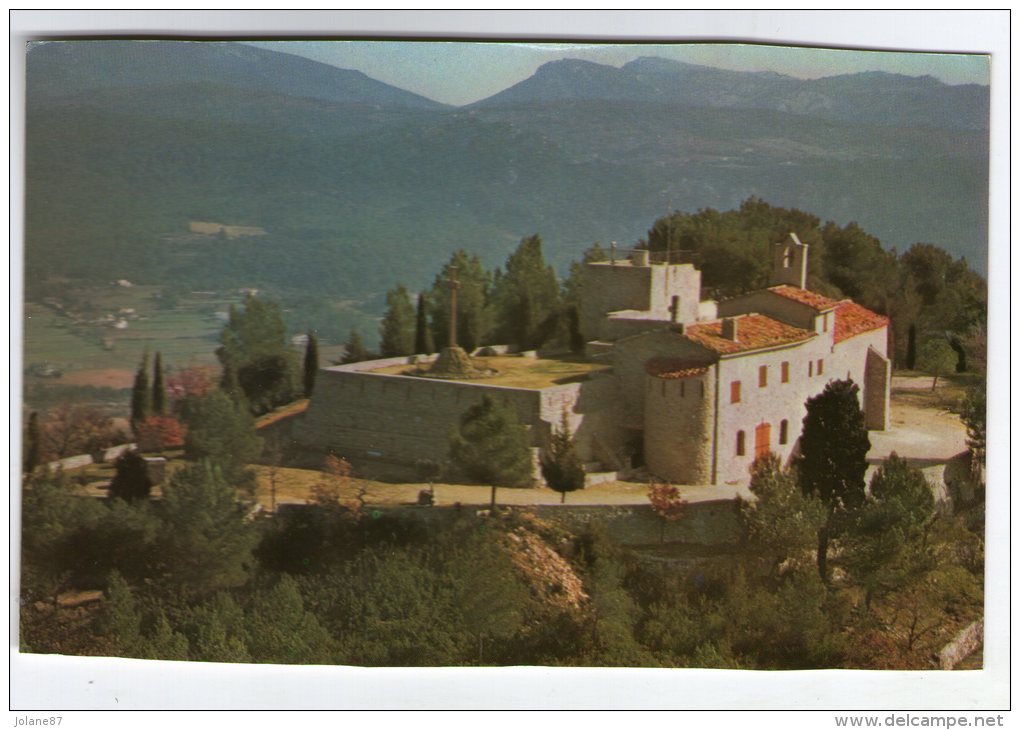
[396, 334]
[526, 298]
[834, 445]
[474, 315]
[782, 522]
[491, 447]
[224, 433]
[311, 364]
[561, 467]
[131, 482]
[141, 395]
[936, 357]
[974, 413]
[158, 387]
[120, 619]
[424, 343]
[253, 347]
[881, 544]
[354, 349]
[206, 542]
[282, 631]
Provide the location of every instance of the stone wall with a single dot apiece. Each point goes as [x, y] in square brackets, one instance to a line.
[395, 419]
[392, 418]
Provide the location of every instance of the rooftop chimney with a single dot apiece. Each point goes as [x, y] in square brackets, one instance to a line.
[729, 329]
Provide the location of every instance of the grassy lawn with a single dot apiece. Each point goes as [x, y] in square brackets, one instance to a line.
[514, 371]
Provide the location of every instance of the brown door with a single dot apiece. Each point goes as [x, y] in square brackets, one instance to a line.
[761, 440]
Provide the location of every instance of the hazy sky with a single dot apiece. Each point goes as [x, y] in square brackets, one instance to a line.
[462, 72]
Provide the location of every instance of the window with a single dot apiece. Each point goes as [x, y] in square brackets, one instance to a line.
[825, 323]
[783, 426]
[763, 376]
[740, 443]
[784, 372]
[810, 368]
[735, 391]
[821, 366]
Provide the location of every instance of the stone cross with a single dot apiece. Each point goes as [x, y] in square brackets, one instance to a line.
[454, 286]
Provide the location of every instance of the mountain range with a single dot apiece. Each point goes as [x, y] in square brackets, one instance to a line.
[361, 185]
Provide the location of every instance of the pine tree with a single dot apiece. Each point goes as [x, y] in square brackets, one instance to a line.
[424, 343]
[354, 348]
[158, 387]
[206, 541]
[311, 365]
[396, 334]
[491, 447]
[834, 445]
[561, 467]
[254, 350]
[526, 297]
[223, 432]
[141, 396]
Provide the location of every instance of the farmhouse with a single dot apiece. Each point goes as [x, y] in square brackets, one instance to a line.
[693, 390]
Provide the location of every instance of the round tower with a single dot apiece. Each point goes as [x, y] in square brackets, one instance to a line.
[679, 412]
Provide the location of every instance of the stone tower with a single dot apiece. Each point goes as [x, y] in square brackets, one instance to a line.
[789, 263]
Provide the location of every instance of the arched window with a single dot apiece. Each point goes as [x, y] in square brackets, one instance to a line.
[783, 427]
[740, 443]
[787, 258]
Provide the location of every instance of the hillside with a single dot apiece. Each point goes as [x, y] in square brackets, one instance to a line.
[360, 185]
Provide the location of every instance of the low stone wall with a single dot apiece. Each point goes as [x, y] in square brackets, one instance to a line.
[962, 645]
[71, 462]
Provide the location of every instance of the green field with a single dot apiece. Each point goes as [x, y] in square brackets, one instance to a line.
[66, 332]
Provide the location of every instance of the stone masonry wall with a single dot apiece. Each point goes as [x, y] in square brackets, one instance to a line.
[679, 414]
[397, 419]
[394, 418]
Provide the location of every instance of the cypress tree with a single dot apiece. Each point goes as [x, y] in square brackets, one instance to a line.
[311, 366]
[33, 444]
[158, 387]
[834, 447]
[424, 343]
[141, 396]
[911, 347]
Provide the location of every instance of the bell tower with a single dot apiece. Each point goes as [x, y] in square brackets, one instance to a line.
[789, 262]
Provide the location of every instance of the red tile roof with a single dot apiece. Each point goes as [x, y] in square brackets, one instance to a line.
[805, 296]
[853, 319]
[754, 332]
[673, 369]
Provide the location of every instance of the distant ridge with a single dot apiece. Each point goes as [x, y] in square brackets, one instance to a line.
[872, 97]
[60, 68]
